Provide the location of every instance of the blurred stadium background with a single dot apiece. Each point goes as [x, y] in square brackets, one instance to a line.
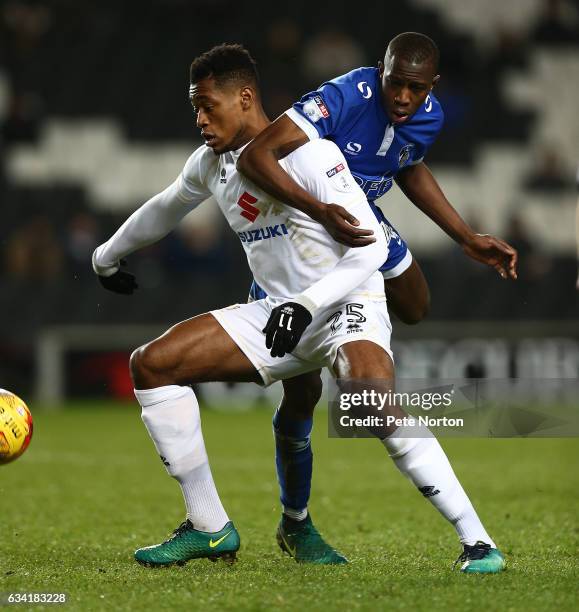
[94, 119]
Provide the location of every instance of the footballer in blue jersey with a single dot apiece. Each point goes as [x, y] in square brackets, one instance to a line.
[384, 120]
[349, 111]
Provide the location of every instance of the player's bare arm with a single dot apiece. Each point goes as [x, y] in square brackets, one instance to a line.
[421, 188]
[259, 163]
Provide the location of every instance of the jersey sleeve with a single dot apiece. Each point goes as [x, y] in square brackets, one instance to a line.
[320, 168]
[191, 183]
[319, 112]
[156, 217]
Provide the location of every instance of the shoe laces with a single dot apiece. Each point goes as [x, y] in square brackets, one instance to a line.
[183, 527]
[471, 553]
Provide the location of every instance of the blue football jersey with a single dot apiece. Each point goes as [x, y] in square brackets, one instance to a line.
[348, 110]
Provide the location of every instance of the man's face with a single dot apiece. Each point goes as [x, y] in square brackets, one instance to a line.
[405, 86]
[220, 113]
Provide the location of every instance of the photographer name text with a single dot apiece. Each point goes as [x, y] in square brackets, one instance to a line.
[409, 421]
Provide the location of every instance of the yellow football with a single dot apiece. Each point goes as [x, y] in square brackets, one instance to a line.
[15, 426]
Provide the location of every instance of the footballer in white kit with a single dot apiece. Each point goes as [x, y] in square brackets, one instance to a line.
[325, 307]
[291, 256]
[323, 276]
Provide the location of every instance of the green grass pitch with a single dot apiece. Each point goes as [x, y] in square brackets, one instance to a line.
[91, 489]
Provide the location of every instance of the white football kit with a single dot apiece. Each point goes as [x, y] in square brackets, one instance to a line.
[291, 256]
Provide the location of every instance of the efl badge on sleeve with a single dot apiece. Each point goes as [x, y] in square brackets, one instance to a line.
[404, 154]
[315, 109]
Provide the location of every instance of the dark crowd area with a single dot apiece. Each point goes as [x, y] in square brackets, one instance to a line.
[130, 61]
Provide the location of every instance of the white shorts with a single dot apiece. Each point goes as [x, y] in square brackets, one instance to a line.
[355, 318]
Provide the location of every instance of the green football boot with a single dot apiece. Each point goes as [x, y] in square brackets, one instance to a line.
[187, 543]
[481, 559]
[302, 541]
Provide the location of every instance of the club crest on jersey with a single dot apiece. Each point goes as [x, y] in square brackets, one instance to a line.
[404, 154]
[316, 109]
[246, 202]
[333, 171]
[353, 148]
[364, 89]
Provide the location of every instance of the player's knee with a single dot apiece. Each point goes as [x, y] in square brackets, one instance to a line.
[137, 366]
[302, 394]
[312, 392]
[417, 313]
[361, 361]
[149, 367]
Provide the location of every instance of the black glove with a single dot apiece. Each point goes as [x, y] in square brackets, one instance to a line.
[120, 282]
[285, 327]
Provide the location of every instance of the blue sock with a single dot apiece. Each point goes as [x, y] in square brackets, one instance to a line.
[293, 460]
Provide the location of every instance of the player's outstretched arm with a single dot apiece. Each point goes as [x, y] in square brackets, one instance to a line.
[259, 163]
[151, 222]
[422, 189]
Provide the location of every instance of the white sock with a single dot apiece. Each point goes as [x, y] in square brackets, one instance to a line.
[296, 515]
[171, 416]
[422, 460]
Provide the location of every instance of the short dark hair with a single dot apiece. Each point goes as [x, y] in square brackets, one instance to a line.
[415, 48]
[226, 63]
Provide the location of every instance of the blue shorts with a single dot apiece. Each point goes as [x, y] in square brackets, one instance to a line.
[399, 255]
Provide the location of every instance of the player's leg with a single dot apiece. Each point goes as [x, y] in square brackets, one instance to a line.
[419, 456]
[194, 351]
[408, 294]
[292, 427]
